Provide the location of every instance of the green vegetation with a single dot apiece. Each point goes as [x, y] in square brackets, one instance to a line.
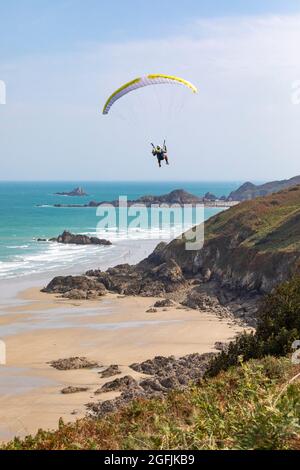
[278, 327]
[267, 223]
[248, 407]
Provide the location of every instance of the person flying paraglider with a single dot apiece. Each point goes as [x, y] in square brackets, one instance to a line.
[160, 153]
[140, 82]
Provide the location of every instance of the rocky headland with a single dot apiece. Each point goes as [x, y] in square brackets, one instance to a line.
[250, 191]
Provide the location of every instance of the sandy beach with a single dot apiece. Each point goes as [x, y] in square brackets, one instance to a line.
[41, 328]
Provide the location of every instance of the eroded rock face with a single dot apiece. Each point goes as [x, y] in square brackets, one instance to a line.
[73, 363]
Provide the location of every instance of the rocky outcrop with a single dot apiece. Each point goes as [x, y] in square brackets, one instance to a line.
[77, 239]
[75, 192]
[118, 385]
[76, 287]
[111, 371]
[70, 390]
[73, 363]
[164, 374]
[164, 303]
[123, 279]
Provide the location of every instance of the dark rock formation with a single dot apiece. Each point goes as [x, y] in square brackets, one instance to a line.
[73, 363]
[164, 303]
[77, 239]
[196, 299]
[118, 385]
[123, 279]
[76, 287]
[75, 192]
[165, 374]
[110, 371]
[71, 390]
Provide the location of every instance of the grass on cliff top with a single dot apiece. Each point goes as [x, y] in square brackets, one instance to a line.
[269, 223]
[252, 406]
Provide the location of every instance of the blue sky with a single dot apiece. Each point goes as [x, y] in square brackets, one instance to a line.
[31, 26]
[61, 59]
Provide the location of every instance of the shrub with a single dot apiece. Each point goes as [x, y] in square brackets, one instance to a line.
[277, 328]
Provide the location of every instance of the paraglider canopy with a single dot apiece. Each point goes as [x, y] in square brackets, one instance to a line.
[152, 79]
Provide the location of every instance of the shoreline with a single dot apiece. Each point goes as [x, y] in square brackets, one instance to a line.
[41, 328]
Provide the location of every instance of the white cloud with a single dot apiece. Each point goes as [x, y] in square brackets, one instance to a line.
[241, 126]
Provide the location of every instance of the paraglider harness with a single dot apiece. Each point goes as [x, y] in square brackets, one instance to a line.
[160, 153]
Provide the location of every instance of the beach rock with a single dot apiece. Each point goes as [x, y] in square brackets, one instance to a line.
[79, 284]
[118, 385]
[151, 310]
[75, 294]
[73, 363]
[103, 408]
[164, 303]
[167, 373]
[152, 385]
[77, 239]
[196, 299]
[110, 371]
[70, 390]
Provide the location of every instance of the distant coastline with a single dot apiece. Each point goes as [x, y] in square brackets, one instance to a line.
[177, 196]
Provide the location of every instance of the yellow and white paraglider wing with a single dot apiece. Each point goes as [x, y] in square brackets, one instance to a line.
[153, 79]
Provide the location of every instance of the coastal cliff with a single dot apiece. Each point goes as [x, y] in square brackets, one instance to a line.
[250, 247]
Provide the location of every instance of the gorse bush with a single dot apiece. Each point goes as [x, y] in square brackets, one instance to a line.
[277, 328]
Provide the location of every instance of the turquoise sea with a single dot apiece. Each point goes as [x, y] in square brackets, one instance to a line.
[26, 213]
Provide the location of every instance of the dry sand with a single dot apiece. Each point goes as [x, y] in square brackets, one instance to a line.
[112, 330]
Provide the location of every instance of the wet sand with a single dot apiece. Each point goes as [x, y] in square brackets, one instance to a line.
[40, 328]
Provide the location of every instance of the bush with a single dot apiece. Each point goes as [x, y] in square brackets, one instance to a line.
[277, 328]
